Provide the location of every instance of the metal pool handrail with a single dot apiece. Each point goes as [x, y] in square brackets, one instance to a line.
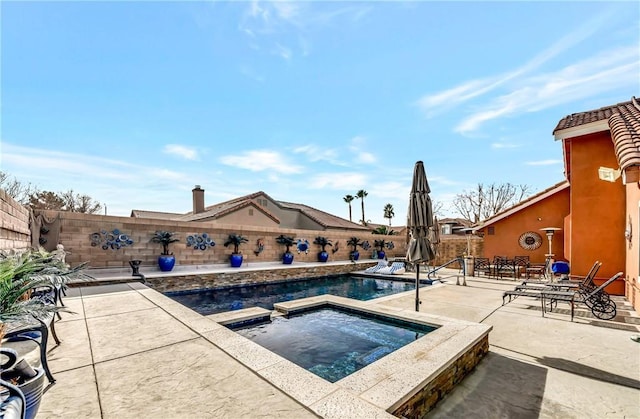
[433, 271]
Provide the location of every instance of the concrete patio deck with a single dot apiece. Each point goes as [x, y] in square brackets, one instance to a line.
[132, 352]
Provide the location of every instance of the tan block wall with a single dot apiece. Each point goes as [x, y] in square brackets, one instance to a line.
[76, 229]
[14, 224]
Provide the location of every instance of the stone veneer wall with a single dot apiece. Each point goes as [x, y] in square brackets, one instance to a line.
[427, 398]
[222, 279]
[14, 224]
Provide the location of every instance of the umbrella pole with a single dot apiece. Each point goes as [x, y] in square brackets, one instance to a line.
[417, 286]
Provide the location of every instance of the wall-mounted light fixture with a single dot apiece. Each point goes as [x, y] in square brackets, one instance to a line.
[608, 174]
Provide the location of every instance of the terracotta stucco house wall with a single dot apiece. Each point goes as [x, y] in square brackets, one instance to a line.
[604, 204]
[597, 209]
[548, 208]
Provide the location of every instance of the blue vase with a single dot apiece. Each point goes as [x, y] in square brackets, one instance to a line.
[166, 262]
[323, 256]
[287, 258]
[355, 255]
[380, 254]
[236, 260]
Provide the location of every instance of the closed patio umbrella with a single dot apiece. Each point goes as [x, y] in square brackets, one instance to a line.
[435, 239]
[419, 221]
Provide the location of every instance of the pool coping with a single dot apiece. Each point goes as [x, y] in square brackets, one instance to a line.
[377, 389]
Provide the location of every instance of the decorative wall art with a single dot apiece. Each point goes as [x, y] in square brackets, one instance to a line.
[113, 240]
[303, 246]
[530, 240]
[200, 241]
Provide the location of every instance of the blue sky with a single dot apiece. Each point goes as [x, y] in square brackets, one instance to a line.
[134, 103]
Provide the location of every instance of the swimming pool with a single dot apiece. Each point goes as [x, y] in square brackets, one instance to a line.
[331, 342]
[265, 295]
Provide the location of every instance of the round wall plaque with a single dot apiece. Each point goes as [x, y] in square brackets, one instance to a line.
[530, 240]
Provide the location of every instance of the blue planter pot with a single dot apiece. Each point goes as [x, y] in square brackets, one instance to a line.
[287, 258]
[166, 262]
[32, 391]
[355, 255]
[323, 256]
[381, 254]
[235, 260]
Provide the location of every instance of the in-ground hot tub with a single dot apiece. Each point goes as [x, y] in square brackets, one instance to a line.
[405, 383]
[330, 341]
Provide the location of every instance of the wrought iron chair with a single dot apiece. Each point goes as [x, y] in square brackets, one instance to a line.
[481, 265]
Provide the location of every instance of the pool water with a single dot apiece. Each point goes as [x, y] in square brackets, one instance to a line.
[333, 343]
[266, 295]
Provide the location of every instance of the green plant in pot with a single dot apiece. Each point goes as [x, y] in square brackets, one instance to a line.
[235, 240]
[166, 260]
[323, 242]
[287, 241]
[380, 244]
[354, 242]
[27, 300]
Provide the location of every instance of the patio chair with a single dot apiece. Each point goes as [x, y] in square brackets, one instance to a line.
[520, 263]
[505, 267]
[597, 300]
[481, 265]
[396, 268]
[375, 268]
[587, 281]
[538, 269]
[529, 288]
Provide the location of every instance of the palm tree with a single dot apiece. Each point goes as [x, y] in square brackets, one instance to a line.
[361, 194]
[348, 199]
[388, 212]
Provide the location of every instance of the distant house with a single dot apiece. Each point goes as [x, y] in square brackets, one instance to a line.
[256, 209]
[597, 208]
[453, 226]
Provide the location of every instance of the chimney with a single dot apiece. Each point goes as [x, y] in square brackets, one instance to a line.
[198, 200]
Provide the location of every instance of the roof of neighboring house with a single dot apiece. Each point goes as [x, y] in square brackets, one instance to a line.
[221, 209]
[523, 204]
[454, 221]
[228, 207]
[323, 218]
[156, 215]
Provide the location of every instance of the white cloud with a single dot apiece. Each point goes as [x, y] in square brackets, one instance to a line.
[185, 152]
[549, 162]
[267, 20]
[522, 93]
[504, 145]
[315, 153]
[345, 181]
[261, 160]
[606, 71]
[359, 148]
[251, 73]
[283, 52]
